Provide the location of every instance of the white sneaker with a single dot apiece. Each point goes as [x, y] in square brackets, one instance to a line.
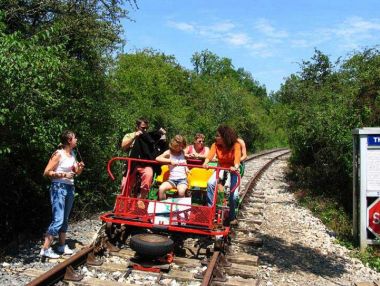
[49, 253]
[64, 249]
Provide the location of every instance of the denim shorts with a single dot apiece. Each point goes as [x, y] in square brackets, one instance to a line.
[177, 182]
[62, 199]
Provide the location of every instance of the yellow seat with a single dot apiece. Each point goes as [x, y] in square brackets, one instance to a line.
[198, 177]
[164, 174]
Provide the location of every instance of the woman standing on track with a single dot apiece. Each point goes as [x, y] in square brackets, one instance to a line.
[228, 151]
[61, 169]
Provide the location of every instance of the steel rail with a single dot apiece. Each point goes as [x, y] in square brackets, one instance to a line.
[58, 272]
[252, 182]
[207, 277]
[263, 153]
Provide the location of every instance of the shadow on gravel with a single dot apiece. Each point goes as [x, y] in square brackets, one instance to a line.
[72, 243]
[29, 251]
[296, 257]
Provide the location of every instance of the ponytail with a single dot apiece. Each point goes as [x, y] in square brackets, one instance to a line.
[65, 138]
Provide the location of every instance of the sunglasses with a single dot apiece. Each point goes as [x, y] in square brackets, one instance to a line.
[200, 141]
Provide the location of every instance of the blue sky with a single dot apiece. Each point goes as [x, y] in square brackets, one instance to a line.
[268, 38]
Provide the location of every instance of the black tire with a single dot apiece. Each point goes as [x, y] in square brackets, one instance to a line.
[152, 245]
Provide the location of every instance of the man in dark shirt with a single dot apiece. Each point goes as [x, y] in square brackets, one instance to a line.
[143, 145]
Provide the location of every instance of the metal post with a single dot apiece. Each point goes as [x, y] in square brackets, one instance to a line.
[363, 194]
[354, 188]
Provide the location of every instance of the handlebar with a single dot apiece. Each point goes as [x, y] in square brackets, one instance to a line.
[110, 162]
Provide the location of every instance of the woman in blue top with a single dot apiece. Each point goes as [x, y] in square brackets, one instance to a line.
[61, 169]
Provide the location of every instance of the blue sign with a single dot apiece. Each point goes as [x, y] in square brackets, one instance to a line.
[373, 140]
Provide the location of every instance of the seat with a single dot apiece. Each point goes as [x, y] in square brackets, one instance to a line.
[164, 176]
[198, 177]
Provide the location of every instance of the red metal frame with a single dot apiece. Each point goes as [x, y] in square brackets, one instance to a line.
[146, 269]
[201, 220]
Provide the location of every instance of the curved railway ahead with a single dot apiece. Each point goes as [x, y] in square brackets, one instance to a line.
[196, 263]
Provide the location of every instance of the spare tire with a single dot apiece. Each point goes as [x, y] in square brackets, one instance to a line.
[153, 245]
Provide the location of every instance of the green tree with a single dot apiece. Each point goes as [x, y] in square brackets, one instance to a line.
[53, 64]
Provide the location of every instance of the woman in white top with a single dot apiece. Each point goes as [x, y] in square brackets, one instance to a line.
[178, 174]
[61, 169]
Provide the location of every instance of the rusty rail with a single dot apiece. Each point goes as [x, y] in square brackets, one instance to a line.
[58, 272]
[211, 267]
[254, 179]
[207, 276]
[265, 152]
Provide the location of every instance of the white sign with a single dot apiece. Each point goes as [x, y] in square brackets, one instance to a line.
[180, 208]
[373, 170]
[173, 204]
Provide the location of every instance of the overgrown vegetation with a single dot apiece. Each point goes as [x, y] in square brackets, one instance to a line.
[331, 214]
[58, 70]
[370, 257]
[324, 102]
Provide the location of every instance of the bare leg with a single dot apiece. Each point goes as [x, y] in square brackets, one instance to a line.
[48, 240]
[181, 190]
[162, 190]
[62, 238]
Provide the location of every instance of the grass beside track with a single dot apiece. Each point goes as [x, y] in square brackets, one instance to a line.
[336, 219]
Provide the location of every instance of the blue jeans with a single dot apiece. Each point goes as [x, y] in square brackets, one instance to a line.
[211, 184]
[62, 199]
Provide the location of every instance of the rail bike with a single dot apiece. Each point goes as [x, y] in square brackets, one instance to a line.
[156, 227]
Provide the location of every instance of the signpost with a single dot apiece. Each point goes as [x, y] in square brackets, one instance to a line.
[366, 185]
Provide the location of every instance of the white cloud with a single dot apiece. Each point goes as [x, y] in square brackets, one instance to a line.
[261, 49]
[345, 36]
[356, 26]
[225, 32]
[266, 28]
[267, 40]
[181, 26]
[239, 39]
[222, 26]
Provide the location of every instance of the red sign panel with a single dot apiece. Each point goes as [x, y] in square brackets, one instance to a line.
[373, 217]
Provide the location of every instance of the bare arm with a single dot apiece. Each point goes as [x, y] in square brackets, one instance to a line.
[210, 155]
[207, 150]
[186, 151]
[237, 155]
[79, 168]
[164, 157]
[52, 165]
[128, 140]
[243, 149]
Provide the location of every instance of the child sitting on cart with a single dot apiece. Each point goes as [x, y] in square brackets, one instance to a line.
[178, 174]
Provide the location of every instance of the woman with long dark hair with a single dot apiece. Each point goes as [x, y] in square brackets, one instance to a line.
[228, 152]
[61, 169]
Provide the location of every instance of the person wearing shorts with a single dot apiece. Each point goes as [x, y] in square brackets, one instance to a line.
[175, 156]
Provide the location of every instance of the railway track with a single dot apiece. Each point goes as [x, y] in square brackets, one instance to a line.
[196, 263]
